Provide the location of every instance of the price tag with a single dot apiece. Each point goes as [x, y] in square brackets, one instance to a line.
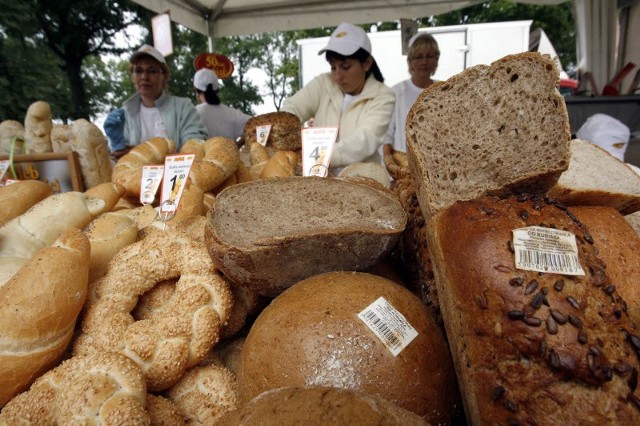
[176, 172]
[262, 134]
[10, 181]
[4, 166]
[317, 147]
[391, 327]
[150, 182]
[543, 249]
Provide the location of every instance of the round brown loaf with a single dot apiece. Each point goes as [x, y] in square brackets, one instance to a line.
[311, 335]
[319, 405]
[285, 133]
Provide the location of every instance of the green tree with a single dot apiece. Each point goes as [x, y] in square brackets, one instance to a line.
[66, 37]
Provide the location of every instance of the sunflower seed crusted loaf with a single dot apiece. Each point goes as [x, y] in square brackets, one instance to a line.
[532, 348]
[494, 129]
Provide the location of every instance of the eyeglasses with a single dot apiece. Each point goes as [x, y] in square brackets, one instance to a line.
[421, 57]
[152, 71]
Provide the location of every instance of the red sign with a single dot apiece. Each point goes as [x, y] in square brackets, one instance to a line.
[217, 62]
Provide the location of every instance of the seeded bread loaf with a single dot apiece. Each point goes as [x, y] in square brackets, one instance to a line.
[285, 132]
[491, 130]
[597, 178]
[532, 347]
[269, 234]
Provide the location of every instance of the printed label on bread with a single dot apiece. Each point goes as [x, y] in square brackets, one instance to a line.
[391, 327]
[546, 250]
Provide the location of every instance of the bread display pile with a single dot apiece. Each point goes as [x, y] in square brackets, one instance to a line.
[272, 298]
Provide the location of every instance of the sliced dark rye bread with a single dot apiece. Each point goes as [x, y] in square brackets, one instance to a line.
[494, 129]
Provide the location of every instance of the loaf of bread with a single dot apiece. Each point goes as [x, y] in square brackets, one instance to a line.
[11, 133]
[532, 347]
[268, 234]
[491, 130]
[312, 334]
[597, 178]
[285, 133]
[19, 197]
[37, 127]
[619, 248]
[320, 406]
[39, 306]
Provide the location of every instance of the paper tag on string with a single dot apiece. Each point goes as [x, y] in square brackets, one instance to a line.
[176, 173]
[262, 134]
[391, 327]
[317, 147]
[549, 250]
[150, 182]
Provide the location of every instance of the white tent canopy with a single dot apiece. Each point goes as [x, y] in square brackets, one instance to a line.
[595, 20]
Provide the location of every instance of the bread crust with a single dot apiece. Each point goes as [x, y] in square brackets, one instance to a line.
[19, 197]
[285, 133]
[529, 347]
[321, 224]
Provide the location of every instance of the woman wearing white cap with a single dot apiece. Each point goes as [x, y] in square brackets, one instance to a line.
[422, 60]
[219, 119]
[152, 111]
[352, 96]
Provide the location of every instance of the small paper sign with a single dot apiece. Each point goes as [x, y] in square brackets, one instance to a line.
[150, 182]
[549, 250]
[262, 134]
[317, 147]
[4, 166]
[176, 172]
[391, 327]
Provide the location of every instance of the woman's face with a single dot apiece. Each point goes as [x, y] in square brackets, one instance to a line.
[423, 63]
[350, 74]
[148, 78]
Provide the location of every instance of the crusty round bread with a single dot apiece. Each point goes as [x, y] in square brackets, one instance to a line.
[319, 405]
[285, 133]
[311, 335]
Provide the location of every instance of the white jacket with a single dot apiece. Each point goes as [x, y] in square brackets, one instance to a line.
[362, 126]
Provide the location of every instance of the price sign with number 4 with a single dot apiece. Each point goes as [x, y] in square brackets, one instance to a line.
[317, 147]
[176, 172]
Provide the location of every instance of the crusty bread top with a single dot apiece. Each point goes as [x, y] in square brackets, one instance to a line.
[261, 213]
[595, 177]
[284, 134]
[492, 129]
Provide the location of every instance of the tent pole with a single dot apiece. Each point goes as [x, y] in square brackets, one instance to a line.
[207, 18]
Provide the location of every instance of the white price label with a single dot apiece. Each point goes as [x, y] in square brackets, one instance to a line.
[262, 134]
[150, 182]
[391, 327]
[11, 181]
[317, 147]
[4, 166]
[176, 172]
[549, 250]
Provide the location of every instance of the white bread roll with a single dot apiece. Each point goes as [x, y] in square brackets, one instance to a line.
[37, 127]
[19, 197]
[39, 306]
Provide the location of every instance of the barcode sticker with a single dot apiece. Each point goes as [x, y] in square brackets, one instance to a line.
[391, 327]
[546, 250]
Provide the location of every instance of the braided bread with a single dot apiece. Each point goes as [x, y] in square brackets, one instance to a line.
[181, 335]
[100, 388]
[128, 170]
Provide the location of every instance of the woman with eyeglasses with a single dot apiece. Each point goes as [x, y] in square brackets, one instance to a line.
[151, 111]
[352, 96]
[422, 60]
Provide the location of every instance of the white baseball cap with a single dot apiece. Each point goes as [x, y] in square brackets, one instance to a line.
[204, 77]
[417, 36]
[147, 50]
[346, 39]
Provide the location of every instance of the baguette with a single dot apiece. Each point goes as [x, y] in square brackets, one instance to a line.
[494, 129]
[268, 234]
[597, 178]
[532, 347]
[19, 197]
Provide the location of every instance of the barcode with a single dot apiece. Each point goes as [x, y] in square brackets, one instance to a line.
[382, 327]
[552, 261]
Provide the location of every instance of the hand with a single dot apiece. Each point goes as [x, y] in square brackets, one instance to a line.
[115, 155]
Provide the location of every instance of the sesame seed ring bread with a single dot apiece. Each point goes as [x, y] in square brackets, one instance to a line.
[205, 393]
[216, 160]
[100, 388]
[181, 335]
[128, 170]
